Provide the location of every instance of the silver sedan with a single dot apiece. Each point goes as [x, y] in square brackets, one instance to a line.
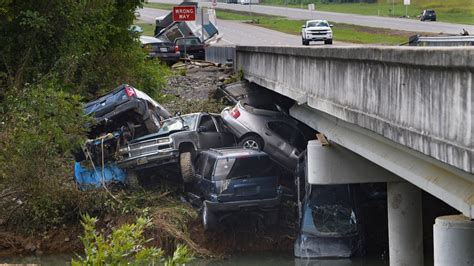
[272, 131]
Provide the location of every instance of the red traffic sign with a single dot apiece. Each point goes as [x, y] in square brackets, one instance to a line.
[184, 13]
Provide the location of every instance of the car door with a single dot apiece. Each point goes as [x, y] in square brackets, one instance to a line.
[279, 136]
[228, 139]
[207, 134]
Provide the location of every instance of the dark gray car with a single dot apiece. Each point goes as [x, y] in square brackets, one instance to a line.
[269, 129]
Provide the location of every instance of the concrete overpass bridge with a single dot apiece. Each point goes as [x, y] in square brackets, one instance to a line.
[401, 115]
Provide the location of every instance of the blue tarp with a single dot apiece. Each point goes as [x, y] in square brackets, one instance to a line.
[90, 178]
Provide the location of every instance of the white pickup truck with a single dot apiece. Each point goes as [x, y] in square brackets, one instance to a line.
[316, 30]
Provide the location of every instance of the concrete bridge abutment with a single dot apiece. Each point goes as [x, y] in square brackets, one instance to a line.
[331, 164]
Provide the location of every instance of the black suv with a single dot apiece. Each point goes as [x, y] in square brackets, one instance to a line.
[178, 140]
[428, 14]
[236, 179]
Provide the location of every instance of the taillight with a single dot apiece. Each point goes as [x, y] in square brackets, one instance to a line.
[235, 113]
[176, 49]
[130, 91]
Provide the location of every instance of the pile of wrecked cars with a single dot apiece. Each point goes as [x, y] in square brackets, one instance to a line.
[228, 163]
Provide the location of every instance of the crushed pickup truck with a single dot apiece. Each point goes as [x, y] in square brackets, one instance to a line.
[177, 142]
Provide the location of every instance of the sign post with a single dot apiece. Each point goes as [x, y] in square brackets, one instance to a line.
[311, 8]
[406, 3]
[184, 13]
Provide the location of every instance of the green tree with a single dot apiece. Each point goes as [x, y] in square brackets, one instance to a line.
[55, 55]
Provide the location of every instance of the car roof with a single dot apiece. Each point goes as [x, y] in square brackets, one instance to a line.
[149, 39]
[316, 20]
[235, 152]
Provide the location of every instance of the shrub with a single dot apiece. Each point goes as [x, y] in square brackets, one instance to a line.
[125, 246]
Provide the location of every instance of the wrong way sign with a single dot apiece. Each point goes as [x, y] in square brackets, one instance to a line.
[184, 13]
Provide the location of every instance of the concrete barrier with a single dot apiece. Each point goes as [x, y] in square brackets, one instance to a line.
[421, 98]
[220, 54]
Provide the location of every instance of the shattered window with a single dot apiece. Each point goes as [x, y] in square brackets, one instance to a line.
[185, 122]
[332, 209]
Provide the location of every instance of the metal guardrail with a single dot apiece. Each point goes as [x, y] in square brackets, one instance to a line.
[442, 41]
[220, 54]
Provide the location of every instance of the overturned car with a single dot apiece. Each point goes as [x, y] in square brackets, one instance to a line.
[120, 116]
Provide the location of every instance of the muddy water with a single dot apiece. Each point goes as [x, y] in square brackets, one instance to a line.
[261, 259]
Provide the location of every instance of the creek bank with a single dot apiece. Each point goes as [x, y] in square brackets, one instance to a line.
[174, 220]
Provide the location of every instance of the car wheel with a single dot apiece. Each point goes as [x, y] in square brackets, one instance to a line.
[209, 219]
[252, 142]
[186, 166]
[328, 41]
[152, 123]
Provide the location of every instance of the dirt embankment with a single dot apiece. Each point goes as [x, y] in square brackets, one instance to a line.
[174, 220]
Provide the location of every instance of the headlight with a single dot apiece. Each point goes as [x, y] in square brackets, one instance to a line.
[163, 140]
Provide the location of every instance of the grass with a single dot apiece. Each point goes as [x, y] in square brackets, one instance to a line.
[342, 32]
[159, 6]
[148, 28]
[454, 11]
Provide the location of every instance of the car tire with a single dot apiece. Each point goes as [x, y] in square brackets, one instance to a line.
[186, 166]
[131, 180]
[152, 123]
[305, 42]
[328, 41]
[252, 142]
[209, 219]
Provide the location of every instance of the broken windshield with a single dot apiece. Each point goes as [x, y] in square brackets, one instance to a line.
[185, 122]
[332, 210]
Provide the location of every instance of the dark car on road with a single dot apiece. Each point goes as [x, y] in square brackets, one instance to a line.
[236, 179]
[178, 141]
[191, 47]
[270, 129]
[428, 14]
[167, 52]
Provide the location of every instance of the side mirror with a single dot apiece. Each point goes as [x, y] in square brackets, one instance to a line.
[330, 25]
[178, 113]
[201, 129]
[303, 26]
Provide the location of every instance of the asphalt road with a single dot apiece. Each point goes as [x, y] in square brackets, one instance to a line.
[370, 21]
[237, 33]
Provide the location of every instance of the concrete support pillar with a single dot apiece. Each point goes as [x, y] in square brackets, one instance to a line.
[453, 241]
[405, 228]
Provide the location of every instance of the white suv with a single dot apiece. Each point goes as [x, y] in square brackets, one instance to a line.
[316, 30]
